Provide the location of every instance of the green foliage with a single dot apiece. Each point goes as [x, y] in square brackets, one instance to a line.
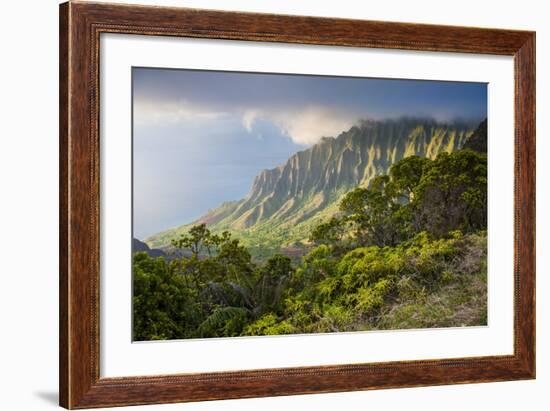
[409, 251]
[331, 232]
[374, 213]
[200, 239]
[165, 307]
[269, 324]
[406, 175]
[224, 322]
[367, 283]
[452, 194]
[215, 291]
[316, 265]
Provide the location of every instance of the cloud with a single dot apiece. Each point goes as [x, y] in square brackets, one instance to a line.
[309, 125]
[150, 112]
[304, 107]
[249, 117]
[304, 126]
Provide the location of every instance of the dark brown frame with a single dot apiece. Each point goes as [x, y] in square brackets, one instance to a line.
[80, 27]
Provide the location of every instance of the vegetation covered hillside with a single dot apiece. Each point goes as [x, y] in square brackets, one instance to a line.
[408, 250]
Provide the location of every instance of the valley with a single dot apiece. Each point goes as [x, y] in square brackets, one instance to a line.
[286, 203]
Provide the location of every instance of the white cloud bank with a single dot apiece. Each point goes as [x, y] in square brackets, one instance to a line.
[304, 126]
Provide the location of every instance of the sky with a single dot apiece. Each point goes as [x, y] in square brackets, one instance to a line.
[200, 137]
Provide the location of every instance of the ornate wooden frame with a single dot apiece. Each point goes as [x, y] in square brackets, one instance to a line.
[81, 24]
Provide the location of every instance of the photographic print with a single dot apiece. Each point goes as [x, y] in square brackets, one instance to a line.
[276, 204]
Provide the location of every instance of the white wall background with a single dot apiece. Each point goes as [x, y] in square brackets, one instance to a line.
[29, 190]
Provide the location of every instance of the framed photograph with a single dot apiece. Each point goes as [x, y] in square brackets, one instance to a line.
[259, 205]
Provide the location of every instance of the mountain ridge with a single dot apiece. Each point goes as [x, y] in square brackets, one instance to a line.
[287, 200]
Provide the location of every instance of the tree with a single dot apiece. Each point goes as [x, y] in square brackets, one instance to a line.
[239, 303]
[214, 257]
[330, 233]
[200, 240]
[374, 213]
[164, 306]
[452, 194]
[272, 281]
[405, 176]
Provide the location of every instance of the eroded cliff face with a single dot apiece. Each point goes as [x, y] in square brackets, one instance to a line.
[310, 179]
